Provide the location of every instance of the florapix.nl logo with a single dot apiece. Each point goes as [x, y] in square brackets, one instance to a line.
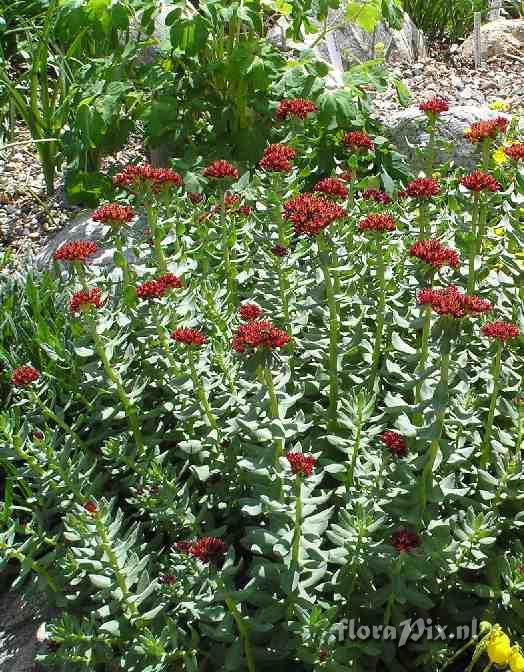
[408, 630]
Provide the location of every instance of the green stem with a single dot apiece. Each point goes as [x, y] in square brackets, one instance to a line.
[423, 221]
[473, 243]
[427, 474]
[397, 567]
[128, 291]
[224, 230]
[486, 154]
[267, 379]
[325, 258]
[129, 408]
[241, 626]
[53, 416]
[350, 478]
[201, 391]
[430, 156]
[164, 341]
[381, 310]
[486, 441]
[424, 352]
[152, 221]
[297, 534]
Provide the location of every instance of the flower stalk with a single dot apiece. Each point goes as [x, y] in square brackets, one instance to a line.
[265, 376]
[226, 234]
[325, 259]
[476, 244]
[55, 418]
[424, 352]
[488, 427]
[243, 630]
[152, 222]
[381, 312]
[200, 390]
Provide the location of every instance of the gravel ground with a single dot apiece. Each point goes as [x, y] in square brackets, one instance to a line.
[28, 217]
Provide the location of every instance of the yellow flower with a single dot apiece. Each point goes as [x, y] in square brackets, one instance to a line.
[516, 661]
[500, 231]
[499, 647]
[499, 106]
[499, 156]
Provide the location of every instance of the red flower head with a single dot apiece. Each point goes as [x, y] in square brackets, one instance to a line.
[486, 130]
[452, 303]
[502, 331]
[280, 251]
[209, 550]
[331, 186]
[231, 201]
[183, 546]
[311, 214]
[277, 159]
[376, 195]
[90, 506]
[24, 375]
[301, 464]
[250, 311]
[83, 301]
[404, 541]
[245, 210]
[422, 187]
[113, 214]
[170, 281]
[220, 170]
[395, 442]
[299, 108]
[347, 176]
[479, 181]
[357, 141]
[76, 250]
[433, 253]
[515, 152]
[434, 106]
[259, 334]
[378, 222]
[167, 579]
[194, 197]
[189, 336]
[144, 176]
[151, 289]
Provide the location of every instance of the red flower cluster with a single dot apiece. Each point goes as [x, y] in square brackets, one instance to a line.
[515, 152]
[137, 177]
[301, 464]
[277, 159]
[347, 176]
[451, 302]
[376, 195]
[76, 250]
[250, 311]
[434, 106]
[194, 197]
[435, 254]
[395, 442]
[484, 130]
[221, 169]
[189, 336]
[295, 107]
[83, 300]
[259, 334]
[167, 579]
[378, 222]
[311, 214]
[357, 140]
[280, 250]
[90, 506]
[479, 181]
[208, 549]
[156, 289]
[113, 214]
[502, 331]
[183, 546]
[331, 186]
[404, 541]
[24, 375]
[422, 187]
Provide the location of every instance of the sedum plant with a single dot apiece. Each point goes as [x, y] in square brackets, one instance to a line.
[281, 412]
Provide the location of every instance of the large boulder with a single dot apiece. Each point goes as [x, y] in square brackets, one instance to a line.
[503, 36]
[355, 45]
[406, 131]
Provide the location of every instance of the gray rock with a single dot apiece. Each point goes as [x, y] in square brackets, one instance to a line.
[503, 36]
[83, 228]
[405, 129]
[356, 45]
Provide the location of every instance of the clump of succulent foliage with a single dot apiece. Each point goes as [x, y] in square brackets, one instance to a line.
[290, 402]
